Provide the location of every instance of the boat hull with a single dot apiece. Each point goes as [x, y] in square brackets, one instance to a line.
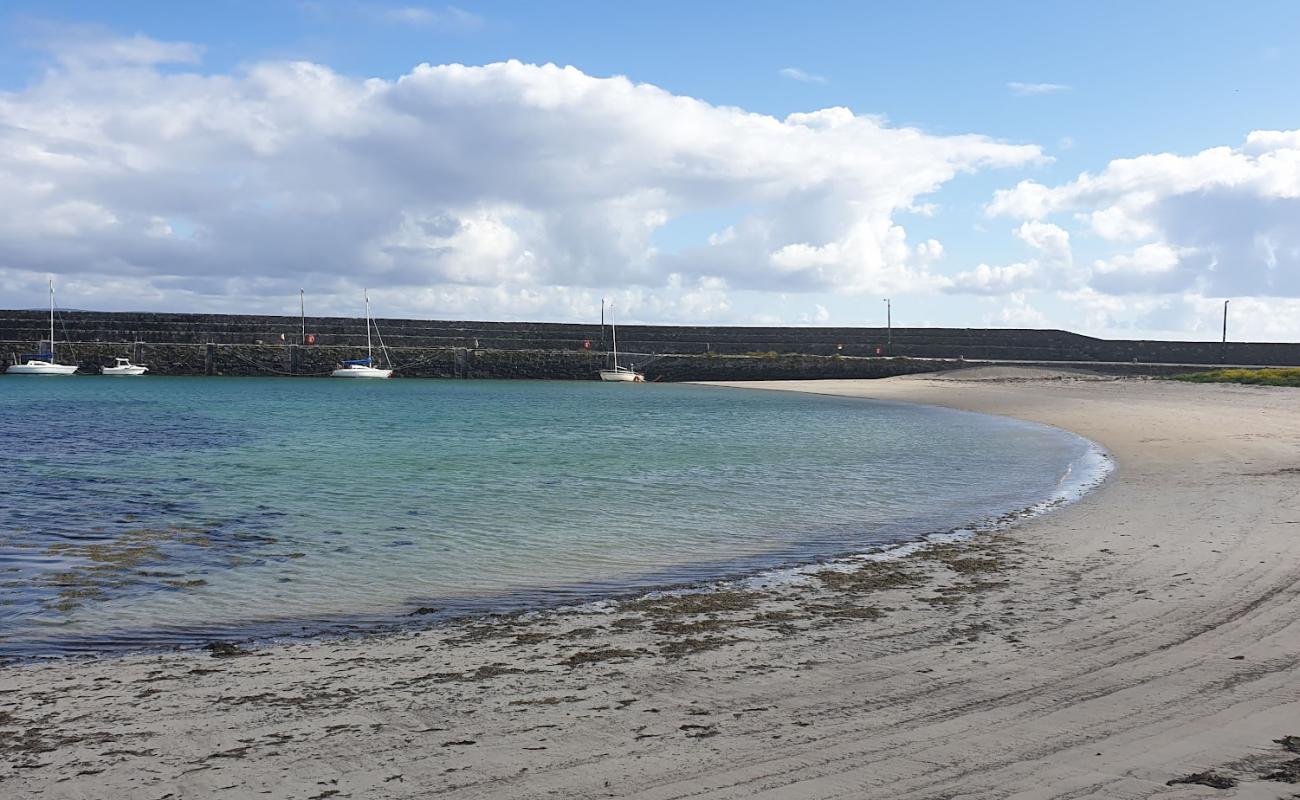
[621, 376]
[41, 368]
[131, 370]
[361, 372]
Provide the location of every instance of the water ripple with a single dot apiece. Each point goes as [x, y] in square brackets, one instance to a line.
[170, 510]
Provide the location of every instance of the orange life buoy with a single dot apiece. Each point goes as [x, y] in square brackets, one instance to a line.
[311, 338]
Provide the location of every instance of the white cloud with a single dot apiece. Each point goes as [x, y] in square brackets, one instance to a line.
[1051, 267]
[796, 74]
[1221, 222]
[523, 188]
[820, 315]
[1018, 312]
[1024, 89]
[1052, 241]
[985, 279]
[89, 46]
[446, 17]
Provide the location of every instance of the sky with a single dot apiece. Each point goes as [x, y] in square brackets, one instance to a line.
[1116, 169]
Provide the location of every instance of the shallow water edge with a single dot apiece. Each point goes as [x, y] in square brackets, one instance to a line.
[770, 571]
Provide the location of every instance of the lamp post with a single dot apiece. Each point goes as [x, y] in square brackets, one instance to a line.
[302, 311]
[889, 322]
[1225, 321]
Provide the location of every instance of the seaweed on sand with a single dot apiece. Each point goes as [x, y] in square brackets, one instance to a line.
[597, 655]
[967, 566]
[1208, 778]
[872, 576]
[483, 673]
[701, 603]
[1286, 772]
[678, 628]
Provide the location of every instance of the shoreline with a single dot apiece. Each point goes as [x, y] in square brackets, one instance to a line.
[540, 602]
[1143, 633]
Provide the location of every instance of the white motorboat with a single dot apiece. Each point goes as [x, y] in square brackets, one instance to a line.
[42, 363]
[124, 367]
[618, 374]
[365, 367]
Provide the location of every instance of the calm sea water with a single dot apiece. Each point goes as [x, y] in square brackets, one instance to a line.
[155, 511]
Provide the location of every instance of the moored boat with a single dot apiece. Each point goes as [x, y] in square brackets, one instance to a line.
[42, 363]
[123, 366]
[618, 374]
[364, 367]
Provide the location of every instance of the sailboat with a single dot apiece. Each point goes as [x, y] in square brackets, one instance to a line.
[619, 374]
[123, 366]
[363, 367]
[43, 363]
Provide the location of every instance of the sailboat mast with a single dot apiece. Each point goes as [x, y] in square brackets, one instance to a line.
[614, 331]
[370, 361]
[51, 319]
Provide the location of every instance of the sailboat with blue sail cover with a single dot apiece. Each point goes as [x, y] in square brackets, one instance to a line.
[42, 363]
[365, 367]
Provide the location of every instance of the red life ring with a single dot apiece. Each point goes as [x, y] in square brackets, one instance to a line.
[311, 338]
[586, 344]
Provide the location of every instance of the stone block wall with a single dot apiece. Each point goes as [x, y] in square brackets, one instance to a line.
[438, 348]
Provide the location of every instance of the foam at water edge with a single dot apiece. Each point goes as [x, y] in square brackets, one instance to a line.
[1083, 475]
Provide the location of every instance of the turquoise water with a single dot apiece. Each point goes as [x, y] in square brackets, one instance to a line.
[155, 511]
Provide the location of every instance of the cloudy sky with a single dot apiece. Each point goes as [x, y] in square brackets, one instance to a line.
[1089, 166]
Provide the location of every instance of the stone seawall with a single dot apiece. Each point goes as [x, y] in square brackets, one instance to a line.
[296, 360]
[337, 332]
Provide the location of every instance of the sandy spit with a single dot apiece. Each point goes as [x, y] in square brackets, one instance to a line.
[1148, 633]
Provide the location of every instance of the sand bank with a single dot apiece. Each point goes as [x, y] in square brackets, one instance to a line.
[1149, 631]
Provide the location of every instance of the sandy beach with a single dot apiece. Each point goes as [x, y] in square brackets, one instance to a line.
[1148, 632]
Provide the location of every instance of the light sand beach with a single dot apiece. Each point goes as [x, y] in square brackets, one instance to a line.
[1145, 633]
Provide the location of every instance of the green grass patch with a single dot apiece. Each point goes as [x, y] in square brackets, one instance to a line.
[1273, 376]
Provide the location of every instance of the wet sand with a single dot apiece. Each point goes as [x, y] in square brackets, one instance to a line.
[1149, 632]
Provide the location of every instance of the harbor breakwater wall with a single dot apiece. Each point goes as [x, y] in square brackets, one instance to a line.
[23, 330]
[202, 344]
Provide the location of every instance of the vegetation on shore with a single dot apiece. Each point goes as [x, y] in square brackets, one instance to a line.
[1273, 376]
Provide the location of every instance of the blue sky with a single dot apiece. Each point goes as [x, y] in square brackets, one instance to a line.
[1085, 83]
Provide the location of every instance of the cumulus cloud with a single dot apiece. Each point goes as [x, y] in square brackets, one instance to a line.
[1052, 266]
[1221, 222]
[1023, 89]
[1018, 312]
[518, 189]
[796, 74]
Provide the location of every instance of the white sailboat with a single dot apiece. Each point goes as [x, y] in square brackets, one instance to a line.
[124, 367]
[363, 367]
[43, 363]
[619, 374]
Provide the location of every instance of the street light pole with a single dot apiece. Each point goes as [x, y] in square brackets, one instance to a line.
[889, 322]
[1225, 321]
[302, 310]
